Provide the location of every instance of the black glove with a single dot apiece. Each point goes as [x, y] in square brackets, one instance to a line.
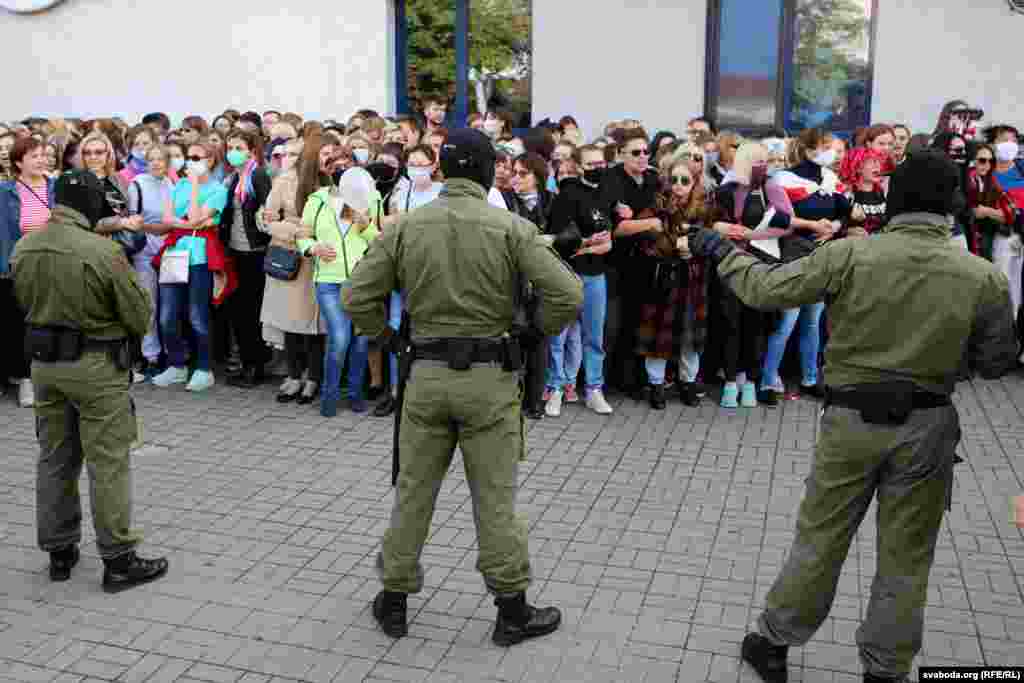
[708, 243]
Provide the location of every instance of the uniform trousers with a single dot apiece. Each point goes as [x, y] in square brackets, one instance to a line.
[478, 410]
[909, 469]
[84, 414]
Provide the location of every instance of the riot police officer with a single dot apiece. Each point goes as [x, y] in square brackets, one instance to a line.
[459, 263]
[83, 303]
[906, 310]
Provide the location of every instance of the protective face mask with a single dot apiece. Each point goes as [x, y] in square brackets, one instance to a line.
[826, 158]
[237, 157]
[198, 168]
[552, 185]
[710, 159]
[139, 154]
[361, 155]
[178, 164]
[1007, 151]
[419, 175]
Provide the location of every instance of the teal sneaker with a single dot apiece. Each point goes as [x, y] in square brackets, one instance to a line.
[201, 381]
[730, 394]
[748, 395]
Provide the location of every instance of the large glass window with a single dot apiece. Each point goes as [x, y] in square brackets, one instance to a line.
[789, 64]
[497, 64]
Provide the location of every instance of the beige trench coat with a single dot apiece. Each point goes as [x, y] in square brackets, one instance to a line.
[288, 306]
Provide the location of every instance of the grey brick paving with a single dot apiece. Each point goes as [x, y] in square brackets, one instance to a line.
[659, 535]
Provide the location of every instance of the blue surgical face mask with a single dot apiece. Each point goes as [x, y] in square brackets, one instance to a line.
[552, 184]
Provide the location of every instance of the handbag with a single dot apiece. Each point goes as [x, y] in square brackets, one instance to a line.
[174, 266]
[281, 263]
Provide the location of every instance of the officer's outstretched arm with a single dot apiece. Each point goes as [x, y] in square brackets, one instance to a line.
[992, 346]
[771, 287]
[559, 288]
[133, 303]
[372, 281]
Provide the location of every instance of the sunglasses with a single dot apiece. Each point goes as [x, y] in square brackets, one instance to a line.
[983, 160]
[642, 152]
[681, 180]
[523, 174]
[195, 158]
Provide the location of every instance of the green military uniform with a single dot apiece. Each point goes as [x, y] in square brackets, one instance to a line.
[67, 276]
[457, 261]
[903, 306]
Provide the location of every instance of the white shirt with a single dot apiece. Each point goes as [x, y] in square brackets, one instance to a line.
[494, 198]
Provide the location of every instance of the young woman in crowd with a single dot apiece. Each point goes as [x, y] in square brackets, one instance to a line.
[727, 144]
[672, 289]
[197, 204]
[579, 206]
[290, 315]
[248, 187]
[1007, 174]
[194, 129]
[98, 156]
[149, 194]
[175, 158]
[218, 143]
[998, 240]
[861, 174]
[817, 214]
[341, 236]
[55, 145]
[25, 204]
[222, 124]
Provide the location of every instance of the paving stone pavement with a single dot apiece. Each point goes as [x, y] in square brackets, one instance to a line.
[657, 533]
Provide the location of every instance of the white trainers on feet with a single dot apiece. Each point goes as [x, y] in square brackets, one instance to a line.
[171, 376]
[553, 408]
[26, 393]
[597, 402]
[201, 381]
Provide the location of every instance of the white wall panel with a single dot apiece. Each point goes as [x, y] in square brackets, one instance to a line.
[319, 58]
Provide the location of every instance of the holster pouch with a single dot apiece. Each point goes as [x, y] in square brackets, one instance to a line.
[54, 344]
[122, 357]
[460, 354]
[512, 354]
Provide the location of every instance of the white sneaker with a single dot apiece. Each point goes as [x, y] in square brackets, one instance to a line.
[290, 386]
[597, 403]
[553, 408]
[138, 377]
[201, 381]
[171, 376]
[26, 393]
[309, 389]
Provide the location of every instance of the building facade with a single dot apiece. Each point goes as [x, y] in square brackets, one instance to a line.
[752, 64]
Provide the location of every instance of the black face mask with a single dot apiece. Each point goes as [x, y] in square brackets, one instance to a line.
[593, 175]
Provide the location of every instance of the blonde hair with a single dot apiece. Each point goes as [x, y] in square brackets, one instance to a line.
[96, 136]
[747, 155]
[283, 129]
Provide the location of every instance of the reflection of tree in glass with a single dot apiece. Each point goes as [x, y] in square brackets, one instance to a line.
[499, 46]
[830, 63]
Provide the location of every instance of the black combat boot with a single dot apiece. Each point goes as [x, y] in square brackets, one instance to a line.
[688, 393]
[62, 562]
[658, 397]
[130, 570]
[389, 609]
[769, 661]
[519, 621]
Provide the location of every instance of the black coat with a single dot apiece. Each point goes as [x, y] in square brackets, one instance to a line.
[261, 184]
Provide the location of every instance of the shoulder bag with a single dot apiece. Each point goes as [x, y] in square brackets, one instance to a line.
[174, 266]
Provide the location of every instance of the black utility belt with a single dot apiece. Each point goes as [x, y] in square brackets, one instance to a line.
[888, 403]
[54, 344]
[462, 353]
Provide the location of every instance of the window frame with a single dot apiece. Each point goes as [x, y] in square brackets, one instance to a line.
[784, 70]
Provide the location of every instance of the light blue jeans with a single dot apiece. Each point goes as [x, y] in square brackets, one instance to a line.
[563, 357]
[689, 366]
[809, 317]
[340, 335]
[394, 322]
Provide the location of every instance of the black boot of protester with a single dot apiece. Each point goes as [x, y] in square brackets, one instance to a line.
[688, 394]
[769, 661]
[389, 609]
[385, 407]
[62, 562]
[130, 570]
[519, 621]
[658, 397]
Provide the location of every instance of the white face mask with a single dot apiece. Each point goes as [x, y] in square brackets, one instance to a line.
[361, 155]
[178, 164]
[1007, 151]
[826, 158]
[419, 175]
[198, 168]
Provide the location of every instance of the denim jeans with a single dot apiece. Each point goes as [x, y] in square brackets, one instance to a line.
[340, 335]
[193, 296]
[565, 355]
[689, 366]
[394, 322]
[808, 315]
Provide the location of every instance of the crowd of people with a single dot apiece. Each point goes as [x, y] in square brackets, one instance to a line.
[245, 231]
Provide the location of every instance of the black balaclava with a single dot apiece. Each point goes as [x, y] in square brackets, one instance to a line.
[469, 154]
[83, 192]
[926, 182]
